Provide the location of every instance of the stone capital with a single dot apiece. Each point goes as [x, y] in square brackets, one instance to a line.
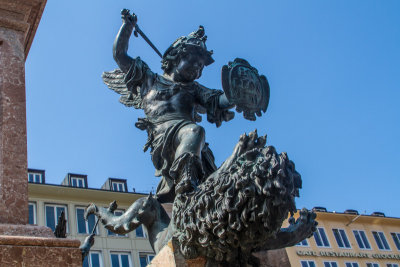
[22, 16]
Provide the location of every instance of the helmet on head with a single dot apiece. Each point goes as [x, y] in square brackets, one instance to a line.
[195, 41]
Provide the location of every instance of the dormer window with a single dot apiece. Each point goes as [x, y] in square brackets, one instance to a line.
[115, 184]
[77, 182]
[36, 176]
[118, 186]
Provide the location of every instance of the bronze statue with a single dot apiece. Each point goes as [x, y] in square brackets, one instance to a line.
[223, 213]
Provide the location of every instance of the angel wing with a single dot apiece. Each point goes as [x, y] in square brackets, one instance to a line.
[115, 80]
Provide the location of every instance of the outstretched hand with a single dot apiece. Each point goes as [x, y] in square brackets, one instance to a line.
[127, 17]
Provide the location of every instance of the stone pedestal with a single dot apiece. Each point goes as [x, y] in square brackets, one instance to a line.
[16, 251]
[21, 244]
[273, 258]
[170, 256]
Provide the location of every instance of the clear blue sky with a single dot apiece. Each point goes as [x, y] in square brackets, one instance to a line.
[333, 68]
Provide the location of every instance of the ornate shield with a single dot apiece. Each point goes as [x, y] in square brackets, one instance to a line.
[245, 88]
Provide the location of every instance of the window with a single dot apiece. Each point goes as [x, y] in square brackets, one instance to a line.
[361, 238]
[52, 214]
[351, 264]
[145, 259]
[32, 213]
[396, 239]
[118, 186]
[307, 264]
[303, 243]
[94, 259]
[140, 232]
[85, 227]
[330, 264]
[380, 240]
[117, 213]
[35, 177]
[78, 182]
[320, 238]
[372, 264]
[341, 238]
[392, 265]
[120, 259]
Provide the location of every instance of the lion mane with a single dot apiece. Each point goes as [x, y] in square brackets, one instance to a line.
[234, 212]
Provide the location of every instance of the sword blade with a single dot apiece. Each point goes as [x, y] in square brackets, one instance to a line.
[94, 228]
[139, 31]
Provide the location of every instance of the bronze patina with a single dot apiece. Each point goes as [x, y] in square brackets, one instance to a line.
[224, 214]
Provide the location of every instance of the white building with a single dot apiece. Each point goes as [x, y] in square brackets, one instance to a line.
[47, 201]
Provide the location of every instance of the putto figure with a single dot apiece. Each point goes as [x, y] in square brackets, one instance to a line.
[171, 102]
[224, 214]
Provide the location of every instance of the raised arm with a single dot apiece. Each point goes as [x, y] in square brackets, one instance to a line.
[121, 42]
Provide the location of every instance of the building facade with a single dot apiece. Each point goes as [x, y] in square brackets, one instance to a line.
[349, 240]
[47, 201]
[342, 239]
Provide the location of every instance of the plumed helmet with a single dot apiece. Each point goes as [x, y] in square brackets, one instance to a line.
[195, 41]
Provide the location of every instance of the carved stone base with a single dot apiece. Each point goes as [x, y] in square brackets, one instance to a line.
[170, 256]
[273, 258]
[25, 230]
[16, 251]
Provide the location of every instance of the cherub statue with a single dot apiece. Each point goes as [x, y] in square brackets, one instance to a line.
[224, 214]
[171, 102]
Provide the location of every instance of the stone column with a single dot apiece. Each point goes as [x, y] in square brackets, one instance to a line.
[21, 244]
[13, 158]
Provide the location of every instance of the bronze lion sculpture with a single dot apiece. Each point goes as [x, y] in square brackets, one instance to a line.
[239, 209]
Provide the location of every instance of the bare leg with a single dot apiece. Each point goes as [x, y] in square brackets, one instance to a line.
[190, 139]
[187, 167]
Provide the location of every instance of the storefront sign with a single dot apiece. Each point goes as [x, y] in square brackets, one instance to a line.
[346, 254]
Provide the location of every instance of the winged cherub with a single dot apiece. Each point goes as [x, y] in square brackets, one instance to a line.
[171, 102]
[224, 214]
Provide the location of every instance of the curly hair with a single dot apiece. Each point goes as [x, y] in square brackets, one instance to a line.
[236, 212]
[170, 60]
[173, 55]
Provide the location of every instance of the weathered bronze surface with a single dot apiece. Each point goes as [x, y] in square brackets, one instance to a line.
[225, 213]
[245, 88]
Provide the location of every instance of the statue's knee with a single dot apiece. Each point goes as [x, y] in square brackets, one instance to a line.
[190, 138]
[197, 131]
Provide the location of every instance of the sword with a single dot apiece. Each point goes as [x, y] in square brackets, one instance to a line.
[125, 13]
[88, 243]
[139, 31]
[94, 228]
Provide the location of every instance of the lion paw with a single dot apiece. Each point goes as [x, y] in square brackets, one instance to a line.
[250, 141]
[305, 223]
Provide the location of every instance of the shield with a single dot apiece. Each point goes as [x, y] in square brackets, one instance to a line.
[245, 88]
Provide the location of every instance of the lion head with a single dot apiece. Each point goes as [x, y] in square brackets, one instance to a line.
[238, 210]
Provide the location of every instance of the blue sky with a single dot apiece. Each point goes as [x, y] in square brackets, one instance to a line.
[333, 69]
